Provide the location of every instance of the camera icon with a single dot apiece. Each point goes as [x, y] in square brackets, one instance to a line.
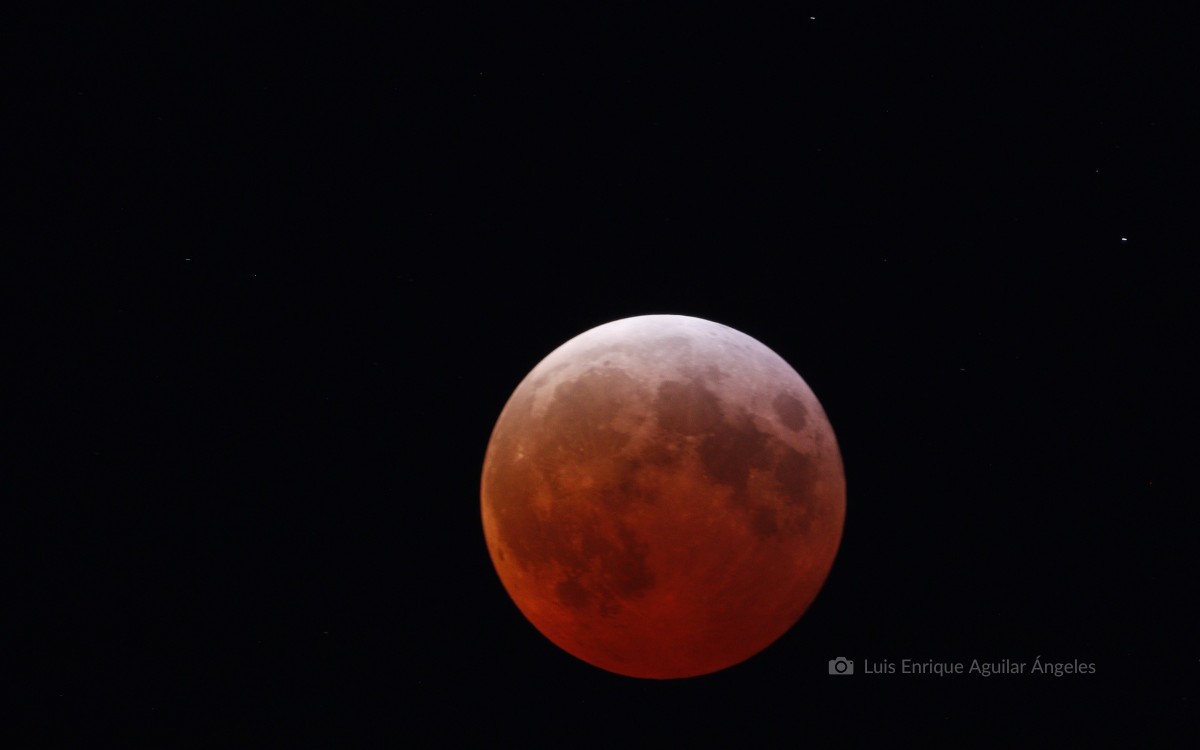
[841, 665]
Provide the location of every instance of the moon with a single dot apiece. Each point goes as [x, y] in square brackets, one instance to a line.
[663, 496]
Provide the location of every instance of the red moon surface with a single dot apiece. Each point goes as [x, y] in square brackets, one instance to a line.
[663, 496]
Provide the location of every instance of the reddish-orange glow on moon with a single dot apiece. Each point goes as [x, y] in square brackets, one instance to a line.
[663, 496]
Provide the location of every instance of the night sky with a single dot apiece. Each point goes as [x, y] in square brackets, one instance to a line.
[275, 276]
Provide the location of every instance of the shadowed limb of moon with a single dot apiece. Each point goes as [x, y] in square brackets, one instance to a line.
[663, 496]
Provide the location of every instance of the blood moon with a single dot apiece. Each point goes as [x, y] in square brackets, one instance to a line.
[663, 496]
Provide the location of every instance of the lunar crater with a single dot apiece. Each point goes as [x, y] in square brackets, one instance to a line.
[791, 411]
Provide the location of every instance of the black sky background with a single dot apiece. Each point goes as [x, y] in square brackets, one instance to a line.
[275, 277]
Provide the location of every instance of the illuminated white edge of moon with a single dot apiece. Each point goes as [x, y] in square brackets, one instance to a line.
[751, 375]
